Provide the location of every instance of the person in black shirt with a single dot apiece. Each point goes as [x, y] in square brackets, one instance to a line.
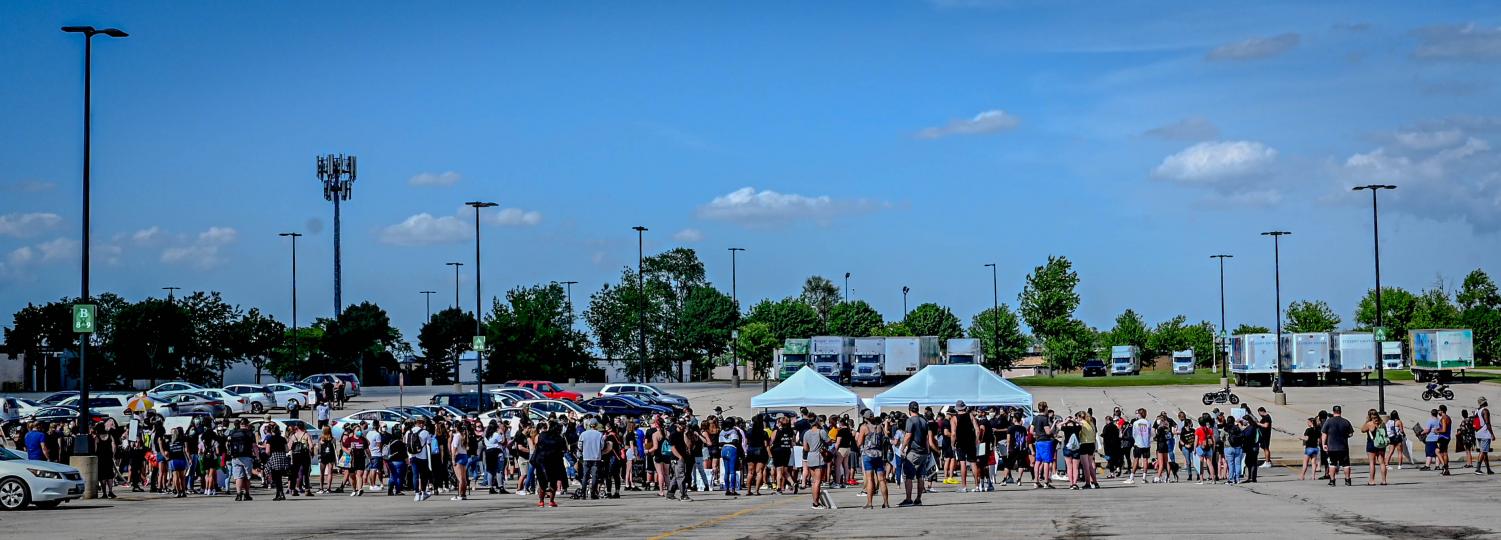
[177, 462]
[277, 461]
[757, 454]
[241, 444]
[782, 441]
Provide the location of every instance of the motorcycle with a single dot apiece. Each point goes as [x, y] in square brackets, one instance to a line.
[1221, 396]
[1438, 390]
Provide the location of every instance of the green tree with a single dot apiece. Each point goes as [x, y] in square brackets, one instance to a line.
[1434, 309]
[787, 318]
[1397, 309]
[1075, 343]
[48, 328]
[1200, 338]
[444, 338]
[856, 319]
[256, 338]
[1167, 338]
[362, 336]
[145, 331]
[1311, 316]
[614, 316]
[1244, 329]
[212, 349]
[531, 335]
[931, 319]
[298, 353]
[1130, 329]
[1480, 310]
[756, 345]
[822, 294]
[893, 329]
[1000, 335]
[704, 328]
[1047, 303]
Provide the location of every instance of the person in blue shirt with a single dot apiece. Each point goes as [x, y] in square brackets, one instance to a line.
[36, 443]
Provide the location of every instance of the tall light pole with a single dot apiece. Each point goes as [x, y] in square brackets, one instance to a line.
[1376, 242]
[641, 293]
[846, 287]
[568, 291]
[296, 336]
[455, 266]
[1221, 361]
[479, 330]
[995, 299]
[170, 290]
[734, 332]
[337, 173]
[81, 444]
[1277, 396]
[905, 290]
[429, 296]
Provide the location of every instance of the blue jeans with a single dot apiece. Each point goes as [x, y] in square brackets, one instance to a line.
[1234, 456]
[897, 464]
[731, 461]
[398, 468]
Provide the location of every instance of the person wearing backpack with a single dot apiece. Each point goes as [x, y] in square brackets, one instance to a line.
[241, 443]
[1235, 449]
[1376, 441]
[873, 444]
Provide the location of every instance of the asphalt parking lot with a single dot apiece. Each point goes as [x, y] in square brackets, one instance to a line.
[1415, 505]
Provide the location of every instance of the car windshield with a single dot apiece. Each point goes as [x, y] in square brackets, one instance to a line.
[7, 454]
[867, 359]
[632, 401]
[550, 387]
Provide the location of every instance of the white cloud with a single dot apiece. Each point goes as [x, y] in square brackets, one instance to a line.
[750, 207]
[147, 235]
[514, 217]
[28, 224]
[1254, 48]
[424, 229]
[688, 236]
[1428, 140]
[205, 251]
[986, 122]
[1193, 128]
[58, 249]
[428, 179]
[1255, 197]
[20, 256]
[1443, 182]
[29, 186]
[1215, 161]
[1466, 42]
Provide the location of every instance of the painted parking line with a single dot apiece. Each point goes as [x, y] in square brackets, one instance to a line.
[721, 519]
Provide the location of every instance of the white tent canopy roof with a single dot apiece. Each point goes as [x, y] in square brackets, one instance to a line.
[806, 388]
[940, 385]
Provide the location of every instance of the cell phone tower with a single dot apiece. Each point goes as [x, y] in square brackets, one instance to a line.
[337, 172]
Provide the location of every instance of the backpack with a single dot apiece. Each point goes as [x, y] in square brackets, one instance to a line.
[1379, 438]
[1475, 422]
[414, 441]
[1235, 440]
[237, 444]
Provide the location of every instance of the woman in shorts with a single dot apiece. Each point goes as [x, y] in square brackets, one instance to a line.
[757, 454]
[873, 443]
[1311, 443]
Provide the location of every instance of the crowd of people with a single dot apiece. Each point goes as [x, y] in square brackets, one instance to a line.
[593, 457]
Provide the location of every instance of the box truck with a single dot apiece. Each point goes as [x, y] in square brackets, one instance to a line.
[1391, 354]
[794, 356]
[1352, 356]
[1125, 360]
[1438, 353]
[831, 356]
[1305, 357]
[1183, 362]
[1253, 358]
[908, 355]
[870, 358]
[965, 351]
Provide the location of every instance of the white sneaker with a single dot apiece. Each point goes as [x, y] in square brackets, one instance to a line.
[1131, 480]
[417, 497]
[456, 498]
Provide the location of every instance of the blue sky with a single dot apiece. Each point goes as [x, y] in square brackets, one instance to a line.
[908, 143]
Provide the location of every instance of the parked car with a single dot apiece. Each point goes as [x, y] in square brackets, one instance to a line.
[516, 392]
[625, 406]
[558, 406]
[351, 382]
[446, 410]
[111, 405]
[13, 408]
[652, 399]
[547, 388]
[259, 399]
[37, 483]
[176, 387]
[236, 403]
[1094, 368]
[677, 401]
[387, 418]
[57, 397]
[466, 401]
[289, 393]
[51, 414]
[511, 417]
[413, 411]
[197, 403]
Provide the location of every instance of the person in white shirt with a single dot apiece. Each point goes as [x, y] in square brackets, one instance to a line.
[376, 466]
[592, 446]
[497, 439]
[1141, 447]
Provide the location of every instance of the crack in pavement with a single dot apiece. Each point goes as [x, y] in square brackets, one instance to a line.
[1388, 529]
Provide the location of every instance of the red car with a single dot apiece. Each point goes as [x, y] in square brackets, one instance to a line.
[547, 388]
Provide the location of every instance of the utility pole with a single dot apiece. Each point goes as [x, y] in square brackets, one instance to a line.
[735, 332]
[296, 336]
[1378, 333]
[429, 297]
[455, 266]
[479, 329]
[81, 445]
[1278, 396]
[905, 290]
[641, 292]
[846, 287]
[1222, 360]
[170, 290]
[568, 290]
[995, 299]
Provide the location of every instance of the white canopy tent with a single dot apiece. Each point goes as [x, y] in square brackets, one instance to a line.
[806, 388]
[940, 385]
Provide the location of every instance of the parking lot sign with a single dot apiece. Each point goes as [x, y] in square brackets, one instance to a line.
[83, 318]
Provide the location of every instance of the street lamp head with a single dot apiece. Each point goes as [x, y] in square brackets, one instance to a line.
[291, 234]
[1222, 256]
[1276, 233]
[113, 32]
[846, 275]
[991, 265]
[1374, 187]
[639, 229]
[79, 29]
[454, 264]
[737, 249]
[480, 204]
[905, 290]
